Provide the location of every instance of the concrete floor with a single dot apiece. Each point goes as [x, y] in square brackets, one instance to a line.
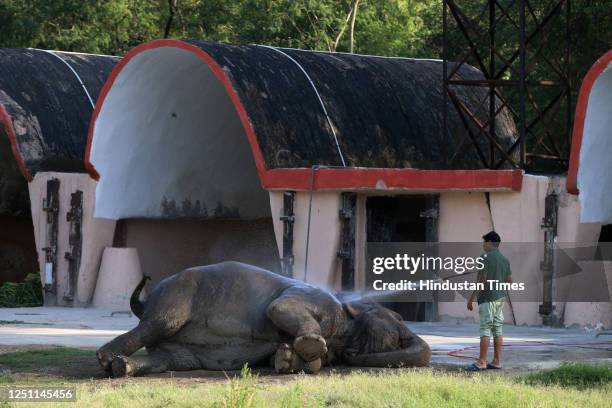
[453, 344]
[74, 327]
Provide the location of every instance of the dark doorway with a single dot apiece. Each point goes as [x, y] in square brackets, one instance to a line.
[18, 256]
[17, 248]
[606, 233]
[405, 218]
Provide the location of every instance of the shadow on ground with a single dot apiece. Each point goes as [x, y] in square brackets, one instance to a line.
[38, 362]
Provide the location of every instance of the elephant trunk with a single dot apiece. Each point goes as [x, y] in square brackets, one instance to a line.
[418, 354]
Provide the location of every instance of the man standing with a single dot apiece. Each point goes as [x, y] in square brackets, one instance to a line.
[491, 301]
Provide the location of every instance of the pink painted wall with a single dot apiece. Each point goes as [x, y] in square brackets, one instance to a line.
[517, 217]
[463, 217]
[166, 247]
[97, 233]
[323, 262]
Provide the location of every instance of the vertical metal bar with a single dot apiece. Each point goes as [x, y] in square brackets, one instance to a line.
[347, 244]
[547, 266]
[75, 242]
[444, 82]
[491, 85]
[568, 73]
[51, 207]
[432, 209]
[522, 91]
[288, 219]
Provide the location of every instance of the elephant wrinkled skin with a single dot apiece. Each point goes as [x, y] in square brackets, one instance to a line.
[219, 317]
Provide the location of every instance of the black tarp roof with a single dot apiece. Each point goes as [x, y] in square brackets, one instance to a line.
[385, 112]
[45, 108]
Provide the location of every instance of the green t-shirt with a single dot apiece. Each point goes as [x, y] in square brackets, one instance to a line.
[496, 267]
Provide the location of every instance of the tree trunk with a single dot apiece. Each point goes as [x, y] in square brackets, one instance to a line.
[352, 30]
[171, 10]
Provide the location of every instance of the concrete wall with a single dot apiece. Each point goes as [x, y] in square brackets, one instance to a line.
[590, 314]
[97, 233]
[571, 231]
[166, 247]
[570, 228]
[462, 217]
[517, 216]
[325, 227]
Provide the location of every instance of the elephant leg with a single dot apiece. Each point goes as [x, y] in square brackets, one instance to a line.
[164, 315]
[123, 366]
[165, 357]
[290, 314]
[286, 361]
[128, 343]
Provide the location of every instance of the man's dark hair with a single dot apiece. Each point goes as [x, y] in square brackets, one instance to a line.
[492, 237]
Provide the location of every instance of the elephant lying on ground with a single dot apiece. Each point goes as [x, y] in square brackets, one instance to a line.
[218, 317]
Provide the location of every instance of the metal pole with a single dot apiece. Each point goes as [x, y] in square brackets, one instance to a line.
[491, 85]
[522, 92]
[444, 81]
[568, 73]
[312, 181]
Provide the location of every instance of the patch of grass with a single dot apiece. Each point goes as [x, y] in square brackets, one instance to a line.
[241, 391]
[397, 388]
[576, 375]
[22, 322]
[12, 322]
[570, 385]
[25, 294]
[294, 397]
[45, 357]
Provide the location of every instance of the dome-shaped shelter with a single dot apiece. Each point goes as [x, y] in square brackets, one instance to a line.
[204, 150]
[590, 170]
[46, 102]
[191, 111]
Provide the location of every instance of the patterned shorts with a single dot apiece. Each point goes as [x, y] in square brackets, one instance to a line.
[491, 318]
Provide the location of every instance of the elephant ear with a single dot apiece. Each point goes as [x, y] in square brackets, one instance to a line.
[358, 307]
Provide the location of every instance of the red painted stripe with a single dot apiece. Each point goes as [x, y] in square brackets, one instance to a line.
[299, 179]
[579, 117]
[10, 132]
[401, 179]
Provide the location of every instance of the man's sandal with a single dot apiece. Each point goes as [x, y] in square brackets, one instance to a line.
[474, 367]
[492, 367]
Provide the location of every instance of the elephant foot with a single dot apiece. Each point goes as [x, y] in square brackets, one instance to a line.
[310, 347]
[283, 359]
[312, 367]
[105, 358]
[287, 361]
[121, 367]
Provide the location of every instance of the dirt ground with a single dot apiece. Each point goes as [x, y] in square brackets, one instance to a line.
[82, 331]
[83, 366]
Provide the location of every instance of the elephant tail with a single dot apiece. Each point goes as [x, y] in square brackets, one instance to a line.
[135, 304]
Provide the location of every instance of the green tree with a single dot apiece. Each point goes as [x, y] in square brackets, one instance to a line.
[110, 27]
